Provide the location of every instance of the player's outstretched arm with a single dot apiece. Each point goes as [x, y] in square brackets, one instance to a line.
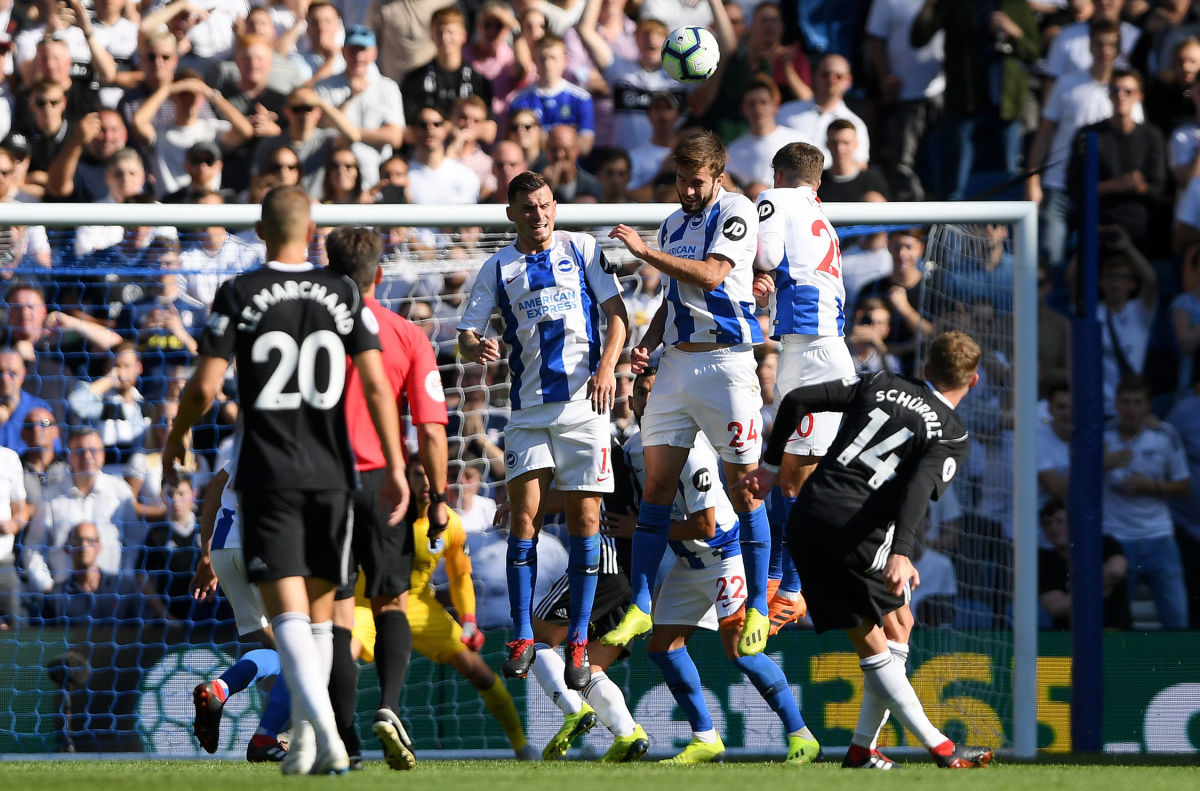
[204, 581]
[197, 396]
[707, 274]
[382, 405]
[462, 590]
[602, 385]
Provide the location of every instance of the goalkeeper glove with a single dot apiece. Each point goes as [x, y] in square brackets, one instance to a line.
[471, 636]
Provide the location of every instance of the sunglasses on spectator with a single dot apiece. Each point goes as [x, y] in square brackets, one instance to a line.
[43, 103]
[163, 56]
[493, 24]
[43, 423]
[279, 167]
[430, 124]
[85, 542]
[526, 126]
[302, 108]
[345, 165]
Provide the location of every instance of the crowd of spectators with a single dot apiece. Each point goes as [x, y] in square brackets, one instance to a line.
[418, 101]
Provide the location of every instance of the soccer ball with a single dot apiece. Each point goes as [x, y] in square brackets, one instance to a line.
[690, 54]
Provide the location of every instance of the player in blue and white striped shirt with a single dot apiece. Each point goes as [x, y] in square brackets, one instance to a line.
[800, 265]
[551, 288]
[707, 379]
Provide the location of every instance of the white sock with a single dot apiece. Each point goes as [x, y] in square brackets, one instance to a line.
[608, 701]
[548, 669]
[874, 713]
[323, 634]
[302, 666]
[708, 737]
[884, 675]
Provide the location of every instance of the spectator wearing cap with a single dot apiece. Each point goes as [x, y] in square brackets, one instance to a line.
[169, 143]
[447, 76]
[250, 92]
[554, 100]
[369, 101]
[303, 134]
[750, 155]
[204, 169]
[77, 171]
[648, 157]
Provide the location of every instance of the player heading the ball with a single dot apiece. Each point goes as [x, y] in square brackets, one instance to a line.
[707, 379]
[551, 289]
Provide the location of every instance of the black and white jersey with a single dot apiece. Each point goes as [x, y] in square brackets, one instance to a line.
[290, 328]
[899, 445]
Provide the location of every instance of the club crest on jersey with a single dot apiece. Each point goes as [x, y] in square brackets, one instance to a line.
[765, 210]
[734, 229]
[702, 480]
[697, 221]
[510, 459]
[565, 266]
[949, 467]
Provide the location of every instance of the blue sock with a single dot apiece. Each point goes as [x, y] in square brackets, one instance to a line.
[777, 519]
[583, 566]
[522, 574]
[789, 579]
[649, 544]
[770, 682]
[254, 666]
[278, 709]
[756, 554]
[683, 679]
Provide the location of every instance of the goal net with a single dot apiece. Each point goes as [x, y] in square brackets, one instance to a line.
[112, 675]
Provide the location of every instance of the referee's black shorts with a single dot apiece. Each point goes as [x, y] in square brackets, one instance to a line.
[296, 533]
[385, 552]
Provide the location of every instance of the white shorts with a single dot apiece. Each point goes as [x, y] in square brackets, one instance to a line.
[568, 438]
[701, 596]
[715, 392]
[248, 608]
[809, 361]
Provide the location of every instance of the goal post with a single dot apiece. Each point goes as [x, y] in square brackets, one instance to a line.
[435, 262]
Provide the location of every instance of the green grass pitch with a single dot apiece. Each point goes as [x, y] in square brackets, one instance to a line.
[167, 775]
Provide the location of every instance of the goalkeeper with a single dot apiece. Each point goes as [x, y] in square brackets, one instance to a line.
[435, 632]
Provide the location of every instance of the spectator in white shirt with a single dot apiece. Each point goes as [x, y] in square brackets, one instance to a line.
[88, 496]
[432, 176]
[749, 156]
[475, 510]
[13, 516]
[831, 83]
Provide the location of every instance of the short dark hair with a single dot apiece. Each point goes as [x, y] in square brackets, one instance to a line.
[1120, 74]
[608, 154]
[354, 252]
[525, 182]
[840, 125]
[1052, 507]
[1134, 383]
[1100, 27]
[800, 162]
[80, 432]
[1056, 386]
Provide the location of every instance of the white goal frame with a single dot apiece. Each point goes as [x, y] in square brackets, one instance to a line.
[1021, 215]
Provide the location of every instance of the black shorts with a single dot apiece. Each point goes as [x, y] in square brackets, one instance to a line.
[613, 594]
[295, 533]
[844, 589]
[385, 552]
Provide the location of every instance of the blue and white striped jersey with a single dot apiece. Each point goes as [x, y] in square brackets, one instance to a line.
[729, 227]
[227, 532]
[550, 307]
[700, 488]
[566, 103]
[800, 245]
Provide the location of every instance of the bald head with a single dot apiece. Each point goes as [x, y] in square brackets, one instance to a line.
[286, 219]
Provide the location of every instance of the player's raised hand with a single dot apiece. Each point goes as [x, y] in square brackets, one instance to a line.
[639, 359]
[898, 572]
[204, 581]
[630, 238]
[758, 482]
[602, 389]
[471, 636]
[395, 494]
